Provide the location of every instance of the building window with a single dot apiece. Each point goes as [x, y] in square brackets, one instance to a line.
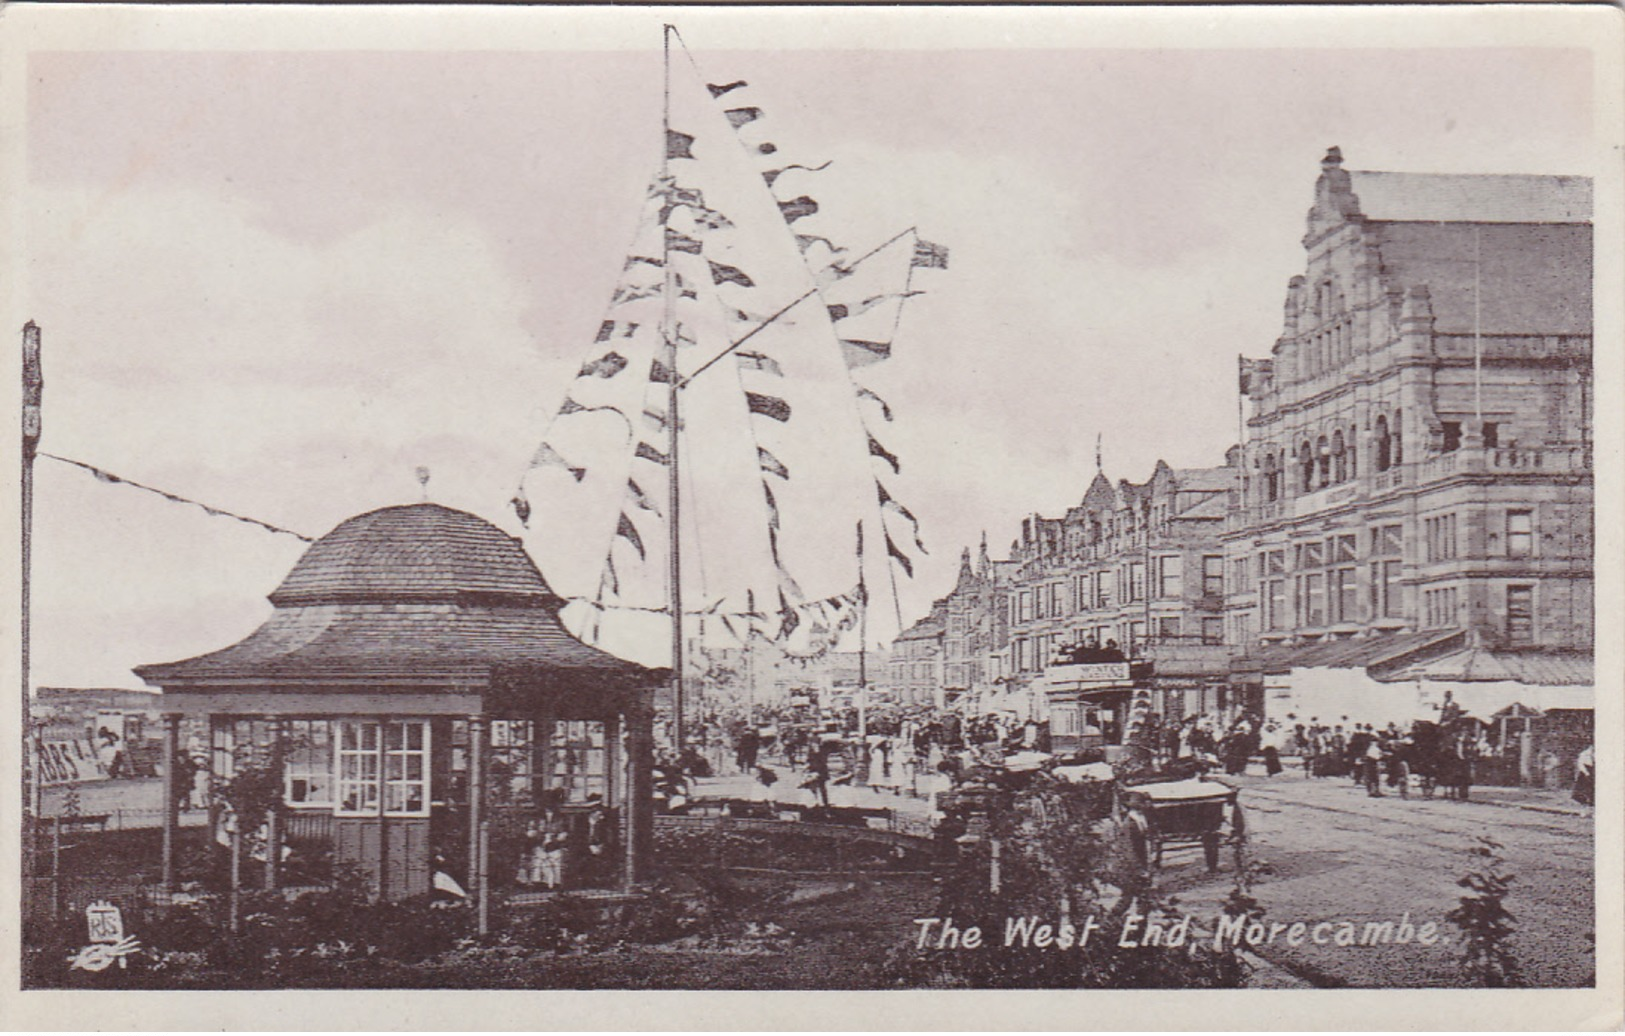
[307, 763]
[1026, 614]
[1314, 603]
[1520, 615]
[512, 752]
[1212, 575]
[580, 760]
[1272, 479]
[1310, 555]
[1492, 435]
[1212, 629]
[1439, 607]
[1340, 465]
[1170, 571]
[1520, 534]
[1167, 627]
[1136, 581]
[1238, 574]
[383, 765]
[1452, 436]
[1440, 533]
[1384, 445]
[1323, 461]
[1387, 540]
[1274, 594]
[1343, 595]
[1387, 597]
[1306, 467]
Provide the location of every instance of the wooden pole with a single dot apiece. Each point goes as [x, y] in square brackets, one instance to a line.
[668, 334]
[171, 722]
[33, 386]
[476, 797]
[236, 872]
[483, 862]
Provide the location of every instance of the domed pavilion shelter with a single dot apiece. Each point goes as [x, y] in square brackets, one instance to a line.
[414, 688]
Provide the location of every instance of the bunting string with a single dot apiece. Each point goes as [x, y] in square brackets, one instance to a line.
[175, 498]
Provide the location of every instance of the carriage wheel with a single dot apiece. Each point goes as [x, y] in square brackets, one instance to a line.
[1139, 841]
[1238, 836]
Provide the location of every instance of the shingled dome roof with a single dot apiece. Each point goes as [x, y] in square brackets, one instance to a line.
[413, 552]
[410, 594]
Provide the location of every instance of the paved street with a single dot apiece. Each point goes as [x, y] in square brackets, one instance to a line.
[1332, 853]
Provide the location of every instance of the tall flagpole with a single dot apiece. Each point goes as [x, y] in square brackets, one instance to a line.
[863, 652]
[668, 334]
[33, 385]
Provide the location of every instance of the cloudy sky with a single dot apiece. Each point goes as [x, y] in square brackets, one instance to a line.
[278, 280]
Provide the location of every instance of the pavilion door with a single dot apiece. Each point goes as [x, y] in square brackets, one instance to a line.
[392, 852]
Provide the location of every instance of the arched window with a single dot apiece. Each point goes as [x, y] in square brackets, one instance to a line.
[1398, 453]
[1272, 479]
[1384, 445]
[1323, 461]
[1353, 451]
[1340, 463]
[1306, 467]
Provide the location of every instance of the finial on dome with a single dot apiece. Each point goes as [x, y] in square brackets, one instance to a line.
[423, 480]
[1334, 157]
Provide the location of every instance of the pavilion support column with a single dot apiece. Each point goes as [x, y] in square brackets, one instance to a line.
[476, 804]
[273, 813]
[171, 768]
[639, 793]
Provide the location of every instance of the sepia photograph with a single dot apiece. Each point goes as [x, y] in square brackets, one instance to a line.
[808, 500]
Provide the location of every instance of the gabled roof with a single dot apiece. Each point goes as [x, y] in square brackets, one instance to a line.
[933, 625]
[1471, 197]
[1205, 479]
[1214, 505]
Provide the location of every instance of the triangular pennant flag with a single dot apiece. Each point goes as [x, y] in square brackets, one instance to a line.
[521, 507]
[788, 619]
[718, 91]
[679, 145]
[901, 558]
[547, 457]
[885, 410]
[642, 499]
[647, 452]
[605, 330]
[682, 242]
[768, 406]
[660, 373]
[797, 208]
[737, 117]
[806, 241]
[570, 406]
[633, 260]
[606, 366]
[633, 292]
[766, 149]
[773, 174]
[723, 273]
[889, 504]
[859, 353]
[626, 529]
[929, 256]
[877, 450]
[760, 362]
[771, 464]
[772, 508]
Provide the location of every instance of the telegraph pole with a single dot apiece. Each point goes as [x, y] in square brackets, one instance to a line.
[33, 384]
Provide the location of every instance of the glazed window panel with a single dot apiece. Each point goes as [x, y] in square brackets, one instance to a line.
[383, 768]
[307, 767]
[1520, 534]
[580, 760]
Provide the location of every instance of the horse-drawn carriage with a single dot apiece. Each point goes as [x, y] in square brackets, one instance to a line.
[1146, 815]
[1159, 816]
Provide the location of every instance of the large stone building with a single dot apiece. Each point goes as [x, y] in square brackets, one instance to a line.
[1418, 464]
[1140, 565]
[914, 671]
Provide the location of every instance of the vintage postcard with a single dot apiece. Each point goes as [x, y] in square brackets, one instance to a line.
[1045, 517]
